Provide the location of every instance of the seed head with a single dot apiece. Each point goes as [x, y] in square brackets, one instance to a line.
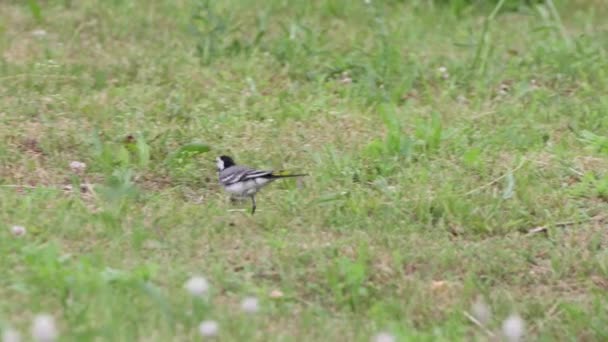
[383, 337]
[481, 311]
[78, 167]
[208, 328]
[250, 305]
[10, 335]
[513, 328]
[197, 286]
[44, 329]
[18, 230]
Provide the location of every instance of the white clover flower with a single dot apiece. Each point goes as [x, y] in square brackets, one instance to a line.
[44, 329]
[77, 167]
[443, 71]
[250, 305]
[39, 33]
[513, 328]
[481, 311]
[208, 328]
[18, 230]
[383, 337]
[10, 335]
[197, 286]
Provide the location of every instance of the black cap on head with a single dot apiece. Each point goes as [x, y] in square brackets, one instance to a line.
[224, 162]
[227, 161]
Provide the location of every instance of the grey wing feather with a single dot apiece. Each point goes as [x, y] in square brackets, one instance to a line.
[239, 173]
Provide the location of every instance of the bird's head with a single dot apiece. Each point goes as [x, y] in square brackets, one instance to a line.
[224, 162]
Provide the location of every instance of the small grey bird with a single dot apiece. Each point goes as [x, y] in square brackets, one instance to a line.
[242, 181]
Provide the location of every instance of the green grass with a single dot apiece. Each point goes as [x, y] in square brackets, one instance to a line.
[424, 183]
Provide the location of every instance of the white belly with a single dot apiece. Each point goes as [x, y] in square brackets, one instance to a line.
[247, 188]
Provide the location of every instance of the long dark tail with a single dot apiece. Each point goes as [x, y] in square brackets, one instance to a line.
[279, 175]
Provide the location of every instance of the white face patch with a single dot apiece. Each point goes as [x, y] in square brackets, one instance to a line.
[220, 164]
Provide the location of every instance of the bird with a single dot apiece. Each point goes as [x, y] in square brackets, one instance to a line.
[242, 181]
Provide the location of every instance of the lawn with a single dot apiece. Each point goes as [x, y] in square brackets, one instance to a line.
[457, 158]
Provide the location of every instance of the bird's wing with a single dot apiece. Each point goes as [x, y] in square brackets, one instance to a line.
[237, 173]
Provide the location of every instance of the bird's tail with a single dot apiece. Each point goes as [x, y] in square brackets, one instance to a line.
[286, 174]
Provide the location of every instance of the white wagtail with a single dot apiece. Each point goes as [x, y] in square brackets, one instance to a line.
[242, 181]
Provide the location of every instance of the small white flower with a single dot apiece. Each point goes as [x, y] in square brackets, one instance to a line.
[208, 328]
[39, 33]
[250, 305]
[197, 286]
[481, 311]
[383, 337]
[10, 335]
[77, 167]
[44, 329]
[513, 328]
[18, 230]
[443, 71]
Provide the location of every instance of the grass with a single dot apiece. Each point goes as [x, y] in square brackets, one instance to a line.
[424, 181]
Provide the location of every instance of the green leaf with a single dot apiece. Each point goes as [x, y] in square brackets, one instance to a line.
[35, 9]
[595, 142]
[188, 151]
[510, 188]
[194, 147]
[155, 293]
[331, 197]
[143, 152]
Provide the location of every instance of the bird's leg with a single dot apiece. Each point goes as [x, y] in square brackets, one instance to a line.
[253, 204]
